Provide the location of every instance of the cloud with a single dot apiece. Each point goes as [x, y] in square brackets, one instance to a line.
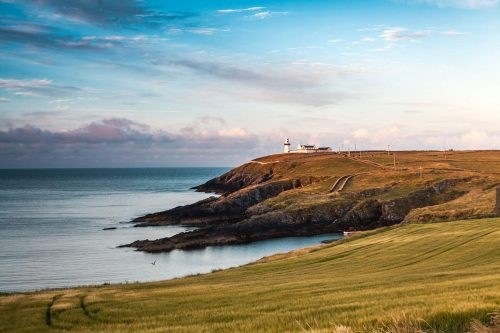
[335, 40]
[399, 138]
[467, 4]
[286, 76]
[114, 130]
[203, 31]
[196, 31]
[382, 136]
[367, 39]
[113, 141]
[35, 87]
[258, 12]
[399, 34]
[453, 33]
[4, 100]
[209, 119]
[241, 10]
[108, 12]
[471, 139]
[14, 84]
[267, 14]
[51, 37]
[293, 83]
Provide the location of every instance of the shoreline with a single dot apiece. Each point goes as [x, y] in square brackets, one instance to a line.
[123, 283]
[371, 270]
[286, 195]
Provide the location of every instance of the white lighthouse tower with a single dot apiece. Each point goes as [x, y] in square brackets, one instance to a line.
[286, 146]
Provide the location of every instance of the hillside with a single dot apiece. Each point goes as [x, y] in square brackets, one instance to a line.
[439, 276]
[308, 194]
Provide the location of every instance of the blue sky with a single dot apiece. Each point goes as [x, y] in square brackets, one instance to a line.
[166, 83]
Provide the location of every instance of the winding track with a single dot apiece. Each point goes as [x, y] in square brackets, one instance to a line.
[340, 184]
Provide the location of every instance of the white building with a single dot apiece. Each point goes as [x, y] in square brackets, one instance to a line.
[286, 146]
[304, 149]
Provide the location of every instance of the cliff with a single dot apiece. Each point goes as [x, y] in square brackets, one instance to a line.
[299, 195]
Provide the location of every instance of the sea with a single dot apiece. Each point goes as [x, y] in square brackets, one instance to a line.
[52, 225]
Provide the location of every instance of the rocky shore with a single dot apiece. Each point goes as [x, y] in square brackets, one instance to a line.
[264, 201]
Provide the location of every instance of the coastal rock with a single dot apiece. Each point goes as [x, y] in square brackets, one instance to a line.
[227, 208]
[238, 178]
[245, 214]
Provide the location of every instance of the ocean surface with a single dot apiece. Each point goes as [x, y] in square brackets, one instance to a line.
[52, 221]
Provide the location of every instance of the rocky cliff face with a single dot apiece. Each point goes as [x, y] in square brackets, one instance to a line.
[238, 178]
[227, 208]
[242, 216]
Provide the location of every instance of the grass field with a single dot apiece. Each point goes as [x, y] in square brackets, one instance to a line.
[439, 275]
[415, 170]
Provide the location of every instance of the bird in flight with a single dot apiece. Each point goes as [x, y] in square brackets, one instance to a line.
[154, 262]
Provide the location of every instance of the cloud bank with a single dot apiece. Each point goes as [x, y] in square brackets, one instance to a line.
[121, 141]
[109, 12]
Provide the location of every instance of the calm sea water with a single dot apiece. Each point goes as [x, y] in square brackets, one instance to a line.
[51, 227]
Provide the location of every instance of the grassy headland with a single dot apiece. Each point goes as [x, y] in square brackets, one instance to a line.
[308, 194]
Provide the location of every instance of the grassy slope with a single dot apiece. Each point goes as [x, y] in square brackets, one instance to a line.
[445, 273]
[481, 167]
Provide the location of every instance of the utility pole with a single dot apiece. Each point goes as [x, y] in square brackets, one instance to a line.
[394, 154]
[388, 150]
[420, 171]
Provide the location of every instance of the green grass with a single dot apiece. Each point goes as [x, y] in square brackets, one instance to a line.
[443, 273]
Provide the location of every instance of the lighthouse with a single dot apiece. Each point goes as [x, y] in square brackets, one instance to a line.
[286, 145]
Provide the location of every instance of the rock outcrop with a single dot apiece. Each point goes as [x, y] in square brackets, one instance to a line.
[226, 208]
[242, 216]
[238, 178]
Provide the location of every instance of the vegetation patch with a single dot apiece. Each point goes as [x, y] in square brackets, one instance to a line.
[444, 277]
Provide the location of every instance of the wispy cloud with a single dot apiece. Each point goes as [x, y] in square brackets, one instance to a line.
[468, 4]
[196, 31]
[257, 12]
[335, 40]
[267, 14]
[453, 33]
[109, 12]
[38, 35]
[399, 34]
[13, 84]
[367, 39]
[240, 10]
[300, 82]
[35, 87]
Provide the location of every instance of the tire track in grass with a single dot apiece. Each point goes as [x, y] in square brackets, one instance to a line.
[84, 308]
[48, 312]
[447, 248]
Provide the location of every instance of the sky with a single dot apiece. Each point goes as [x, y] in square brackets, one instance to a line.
[125, 83]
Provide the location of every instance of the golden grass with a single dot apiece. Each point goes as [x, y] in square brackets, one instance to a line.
[493, 327]
[482, 168]
[442, 274]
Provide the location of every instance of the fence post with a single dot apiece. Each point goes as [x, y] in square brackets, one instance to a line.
[497, 205]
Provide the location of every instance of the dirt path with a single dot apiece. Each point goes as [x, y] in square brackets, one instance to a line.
[340, 183]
